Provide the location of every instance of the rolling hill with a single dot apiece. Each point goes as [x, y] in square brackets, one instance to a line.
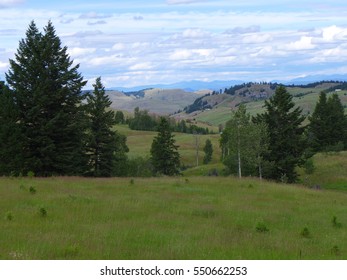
[158, 101]
[214, 109]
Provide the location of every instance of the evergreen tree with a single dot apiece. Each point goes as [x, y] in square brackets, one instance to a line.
[328, 124]
[10, 134]
[47, 91]
[164, 155]
[119, 117]
[286, 142]
[208, 149]
[319, 125]
[106, 148]
[338, 122]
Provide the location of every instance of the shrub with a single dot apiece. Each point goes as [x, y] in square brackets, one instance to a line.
[31, 174]
[261, 227]
[336, 223]
[309, 166]
[32, 190]
[336, 250]
[9, 216]
[43, 212]
[305, 233]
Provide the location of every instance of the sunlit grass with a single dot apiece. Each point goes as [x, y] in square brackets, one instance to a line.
[169, 218]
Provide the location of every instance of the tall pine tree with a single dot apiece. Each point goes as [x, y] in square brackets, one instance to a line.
[164, 155]
[10, 134]
[106, 147]
[328, 124]
[285, 131]
[47, 90]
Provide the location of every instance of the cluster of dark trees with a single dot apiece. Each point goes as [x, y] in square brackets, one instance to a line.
[143, 120]
[48, 126]
[198, 104]
[274, 143]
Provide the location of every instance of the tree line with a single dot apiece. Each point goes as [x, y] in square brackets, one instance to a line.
[145, 121]
[274, 143]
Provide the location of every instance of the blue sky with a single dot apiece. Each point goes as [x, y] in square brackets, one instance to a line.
[130, 43]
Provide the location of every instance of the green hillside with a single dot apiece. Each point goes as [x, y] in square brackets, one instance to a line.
[304, 97]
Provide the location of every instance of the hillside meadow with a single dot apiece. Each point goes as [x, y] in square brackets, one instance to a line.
[305, 98]
[169, 218]
[139, 143]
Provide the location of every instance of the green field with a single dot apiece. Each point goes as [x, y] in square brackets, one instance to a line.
[169, 218]
[139, 143]
[330, 171]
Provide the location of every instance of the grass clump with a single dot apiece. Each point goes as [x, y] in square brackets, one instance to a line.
[336, 251]
[305, 233]
[336, 224]
[43, 212]
[261, 227]
[32, 190]
[9, 216]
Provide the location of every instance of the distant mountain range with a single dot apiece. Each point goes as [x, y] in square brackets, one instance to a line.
[191, 86]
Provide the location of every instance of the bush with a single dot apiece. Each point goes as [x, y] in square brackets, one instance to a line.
[31, 174]
[9, 216]
[32, 190]
[305, 233]
[309, 166]
[261, 227]
[336, 223]
[43, 212]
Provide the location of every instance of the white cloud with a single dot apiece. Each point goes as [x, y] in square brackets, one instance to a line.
[195, 33]
[9, 3]
[77, 52]
[181, 55]
[118, 47]
[305, 43]
[333, 33]
[338, 54]
[256, 38]
[3, 65]
[141, 66]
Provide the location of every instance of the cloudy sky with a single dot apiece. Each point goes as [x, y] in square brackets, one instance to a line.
[138, 42]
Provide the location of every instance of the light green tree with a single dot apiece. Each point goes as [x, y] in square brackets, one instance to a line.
[243, 143]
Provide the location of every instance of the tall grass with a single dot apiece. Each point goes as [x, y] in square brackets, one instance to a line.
[169, 218]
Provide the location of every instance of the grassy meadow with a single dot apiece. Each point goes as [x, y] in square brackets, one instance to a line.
[169, 218]
[139, 143]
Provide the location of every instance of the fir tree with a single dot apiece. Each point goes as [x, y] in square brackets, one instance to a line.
[10, 134]
[208, 149]
[328, 124]
[164, 155]
[47, 91]
[319, 125]
[286, 142]
[106, 147]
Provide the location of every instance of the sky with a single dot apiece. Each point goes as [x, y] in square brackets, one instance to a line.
[131, 43]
